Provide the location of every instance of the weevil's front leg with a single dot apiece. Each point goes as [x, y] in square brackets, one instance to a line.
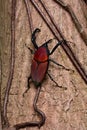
[33, 39]
[28, 86]
[47, 42]
[59, 43]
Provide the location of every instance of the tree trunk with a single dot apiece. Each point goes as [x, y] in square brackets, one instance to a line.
[64, 109]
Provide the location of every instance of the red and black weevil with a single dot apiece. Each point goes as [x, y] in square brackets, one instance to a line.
[40, 62]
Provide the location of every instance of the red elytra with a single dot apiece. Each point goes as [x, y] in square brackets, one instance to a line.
[39, 65]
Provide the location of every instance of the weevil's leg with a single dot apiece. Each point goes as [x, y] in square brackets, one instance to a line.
[28, 86]
[55, 82]
[47, 42]
[59, 43]
[33, 39]
[63, 67]
[32, 52]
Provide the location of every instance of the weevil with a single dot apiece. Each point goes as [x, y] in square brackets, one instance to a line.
[40, 62]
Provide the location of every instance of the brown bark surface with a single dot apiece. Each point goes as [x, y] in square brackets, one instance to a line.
[64, 109]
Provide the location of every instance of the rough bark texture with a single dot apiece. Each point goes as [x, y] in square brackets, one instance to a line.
[4, 48]
[64, 109]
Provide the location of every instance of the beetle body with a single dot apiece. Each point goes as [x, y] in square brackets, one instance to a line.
[39, 65]
[40, 61]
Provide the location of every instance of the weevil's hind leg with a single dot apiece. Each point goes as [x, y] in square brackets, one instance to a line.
[63, 67]
[28, 86]
[55, 82]
[33, 39]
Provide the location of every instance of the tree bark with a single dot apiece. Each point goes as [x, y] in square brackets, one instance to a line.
[64, 109]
